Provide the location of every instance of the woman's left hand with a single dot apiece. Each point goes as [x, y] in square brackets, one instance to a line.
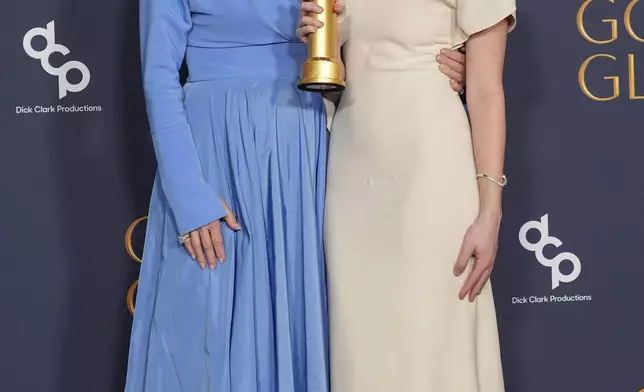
[480, 244]
[452, 64]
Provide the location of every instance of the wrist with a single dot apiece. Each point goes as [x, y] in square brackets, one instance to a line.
[491, 212]
[490, 215]
[490, 203]
[490, 196]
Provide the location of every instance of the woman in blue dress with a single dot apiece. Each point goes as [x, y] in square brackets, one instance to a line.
[232, 291]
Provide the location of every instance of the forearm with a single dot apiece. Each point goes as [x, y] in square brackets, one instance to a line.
[486, 106]
[164, 27]
[487, 115]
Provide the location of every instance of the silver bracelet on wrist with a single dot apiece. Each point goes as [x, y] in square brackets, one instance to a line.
[502, 183]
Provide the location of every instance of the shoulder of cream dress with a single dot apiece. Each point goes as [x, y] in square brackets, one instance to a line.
[473, 16]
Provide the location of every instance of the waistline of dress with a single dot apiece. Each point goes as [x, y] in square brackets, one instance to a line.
[279, 60]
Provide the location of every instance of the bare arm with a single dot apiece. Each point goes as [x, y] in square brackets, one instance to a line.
[486, 104]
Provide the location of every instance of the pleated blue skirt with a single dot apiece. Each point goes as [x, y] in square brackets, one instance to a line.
[258, 322]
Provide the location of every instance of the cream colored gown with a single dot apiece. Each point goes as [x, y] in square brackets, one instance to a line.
[401, 194]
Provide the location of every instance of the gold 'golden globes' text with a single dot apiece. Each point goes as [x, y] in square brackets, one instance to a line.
[623, 8]
[129, 248]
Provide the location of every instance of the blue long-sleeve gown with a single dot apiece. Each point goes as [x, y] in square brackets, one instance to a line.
[241, 130]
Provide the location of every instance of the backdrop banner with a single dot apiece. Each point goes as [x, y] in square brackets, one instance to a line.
[568, 279]
[78, 166]
[77, 169]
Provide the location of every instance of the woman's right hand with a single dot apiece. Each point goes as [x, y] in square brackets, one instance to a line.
[480, 246]
[308, 24]
[206, 244]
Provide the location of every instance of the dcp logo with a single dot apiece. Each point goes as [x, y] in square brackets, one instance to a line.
[555, 263]
[64, 86]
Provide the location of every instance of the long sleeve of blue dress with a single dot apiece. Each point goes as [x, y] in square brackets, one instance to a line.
[164, 26]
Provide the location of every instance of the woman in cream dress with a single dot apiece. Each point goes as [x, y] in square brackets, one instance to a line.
[414, 198]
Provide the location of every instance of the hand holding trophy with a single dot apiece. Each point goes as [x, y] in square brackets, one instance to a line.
[323, 70]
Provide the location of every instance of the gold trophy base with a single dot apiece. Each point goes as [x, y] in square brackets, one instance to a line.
[322, 74]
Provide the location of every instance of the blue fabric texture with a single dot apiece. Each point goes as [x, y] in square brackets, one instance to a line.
[239, 129]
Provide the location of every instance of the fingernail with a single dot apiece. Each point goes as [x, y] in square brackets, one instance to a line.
[212, 267]
[439, 58]
[442, 67]
[202, 265]
[443, 51]
[194, 257]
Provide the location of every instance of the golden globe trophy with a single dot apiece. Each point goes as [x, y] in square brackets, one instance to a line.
[323, 71]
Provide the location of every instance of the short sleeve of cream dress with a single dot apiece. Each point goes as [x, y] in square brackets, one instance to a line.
[401, 194]
[473, 16]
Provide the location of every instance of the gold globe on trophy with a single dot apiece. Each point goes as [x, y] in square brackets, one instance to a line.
[323, 70]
